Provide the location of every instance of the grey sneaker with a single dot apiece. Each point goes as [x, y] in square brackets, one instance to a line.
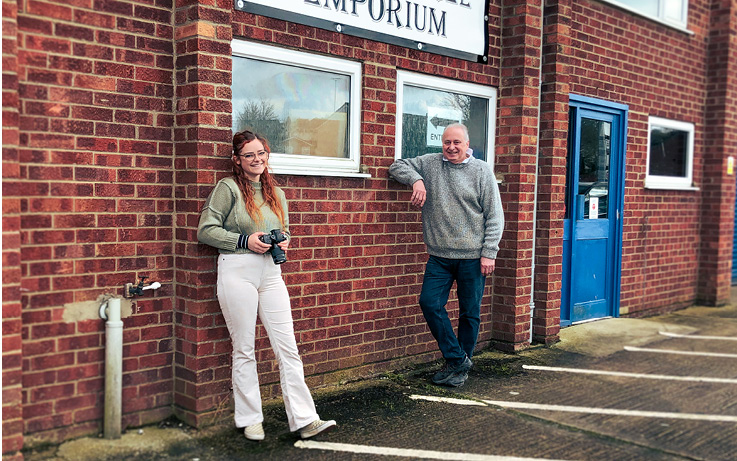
[448, 373]
[457, 380]
[315, 427]
[254, 432]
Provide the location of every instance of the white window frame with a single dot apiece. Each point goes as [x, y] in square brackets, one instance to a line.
[444, 84]
[671, 182]
[282, 163]
[677, 23]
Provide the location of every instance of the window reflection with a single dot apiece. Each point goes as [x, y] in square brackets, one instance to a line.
[300, 111]
[593, 177]
[426, 112]
[668, 151]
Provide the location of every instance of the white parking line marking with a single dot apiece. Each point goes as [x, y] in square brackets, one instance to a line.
[670, 351]
[408, 453]
[614, 411]
[698, 379]
[432, 398]
[678, 335]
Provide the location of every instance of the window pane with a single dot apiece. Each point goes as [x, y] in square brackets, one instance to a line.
[426, 113]
[593, 175]
[300, 111]
[673, 10]
[668, 152]
[649, 7]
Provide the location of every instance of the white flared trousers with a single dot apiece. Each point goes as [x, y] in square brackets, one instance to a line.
[251, 285]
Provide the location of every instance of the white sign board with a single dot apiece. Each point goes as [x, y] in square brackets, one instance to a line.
[439, 26]
[437, 119]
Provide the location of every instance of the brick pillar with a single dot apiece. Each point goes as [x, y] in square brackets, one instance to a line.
[521, 27]
[552, 170]
[203, 138]
[12, 407]
[720, 143]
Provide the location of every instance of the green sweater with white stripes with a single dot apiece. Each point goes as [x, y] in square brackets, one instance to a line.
[224, 219]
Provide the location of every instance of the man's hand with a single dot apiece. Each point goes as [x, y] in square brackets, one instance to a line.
[487, 266]
[419, 194]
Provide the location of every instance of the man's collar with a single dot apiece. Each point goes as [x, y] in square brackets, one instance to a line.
[469, 154]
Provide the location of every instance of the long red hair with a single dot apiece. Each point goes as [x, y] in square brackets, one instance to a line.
[267, 181]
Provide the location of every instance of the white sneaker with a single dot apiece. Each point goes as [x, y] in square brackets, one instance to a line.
[315, 427]
[254, 432]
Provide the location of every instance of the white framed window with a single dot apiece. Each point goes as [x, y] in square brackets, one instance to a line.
[307, 106]
[426, 105]
[669, 154]
[673, 13]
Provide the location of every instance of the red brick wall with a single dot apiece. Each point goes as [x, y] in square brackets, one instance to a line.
[12, 421]
[357, 258]
[203, 117]
[515, 164]
[95, 192]
[720, 142]
[658, 71]
[556, 49]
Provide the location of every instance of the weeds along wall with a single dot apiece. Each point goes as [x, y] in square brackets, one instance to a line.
[117, 120]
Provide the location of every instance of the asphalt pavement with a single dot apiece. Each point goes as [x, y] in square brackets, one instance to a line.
[660, 388]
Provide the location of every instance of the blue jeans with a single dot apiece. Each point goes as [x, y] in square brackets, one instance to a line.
[436, 284]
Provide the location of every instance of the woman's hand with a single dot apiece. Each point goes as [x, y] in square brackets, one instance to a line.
[256, 245]
[285, 244]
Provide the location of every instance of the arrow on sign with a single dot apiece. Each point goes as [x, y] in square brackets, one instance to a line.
[437, 121]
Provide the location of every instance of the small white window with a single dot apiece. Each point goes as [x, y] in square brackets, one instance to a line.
[670, 12]
[307, 106]
[426, 105]
[669, 154]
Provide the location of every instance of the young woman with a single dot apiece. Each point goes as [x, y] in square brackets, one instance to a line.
[240, 209]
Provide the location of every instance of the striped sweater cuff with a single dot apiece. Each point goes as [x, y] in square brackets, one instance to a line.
[242, 242]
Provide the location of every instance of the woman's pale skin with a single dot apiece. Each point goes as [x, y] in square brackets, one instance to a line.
[253, 159]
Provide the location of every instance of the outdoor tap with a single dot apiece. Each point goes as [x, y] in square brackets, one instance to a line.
[132, 290]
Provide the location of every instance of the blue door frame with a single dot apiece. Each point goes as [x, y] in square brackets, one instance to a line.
[592, 248]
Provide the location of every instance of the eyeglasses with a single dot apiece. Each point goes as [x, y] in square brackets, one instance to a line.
[251, 157]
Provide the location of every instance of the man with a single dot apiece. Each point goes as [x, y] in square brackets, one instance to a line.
[462, 222]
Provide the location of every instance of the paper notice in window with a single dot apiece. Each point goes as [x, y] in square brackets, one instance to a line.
[437, 119]
[593, 207]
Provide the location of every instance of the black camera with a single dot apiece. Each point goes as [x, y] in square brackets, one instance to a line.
[273, 238]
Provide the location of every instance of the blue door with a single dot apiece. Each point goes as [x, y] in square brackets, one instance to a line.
[592, 233]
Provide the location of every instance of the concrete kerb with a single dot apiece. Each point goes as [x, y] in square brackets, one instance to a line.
[608, 336]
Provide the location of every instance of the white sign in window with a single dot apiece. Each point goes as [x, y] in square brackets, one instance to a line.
[669, 154]
[593, 207]
[306, 106]
[426, 105]
[437, 119]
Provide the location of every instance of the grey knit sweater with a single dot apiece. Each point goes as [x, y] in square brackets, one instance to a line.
[462, 217]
